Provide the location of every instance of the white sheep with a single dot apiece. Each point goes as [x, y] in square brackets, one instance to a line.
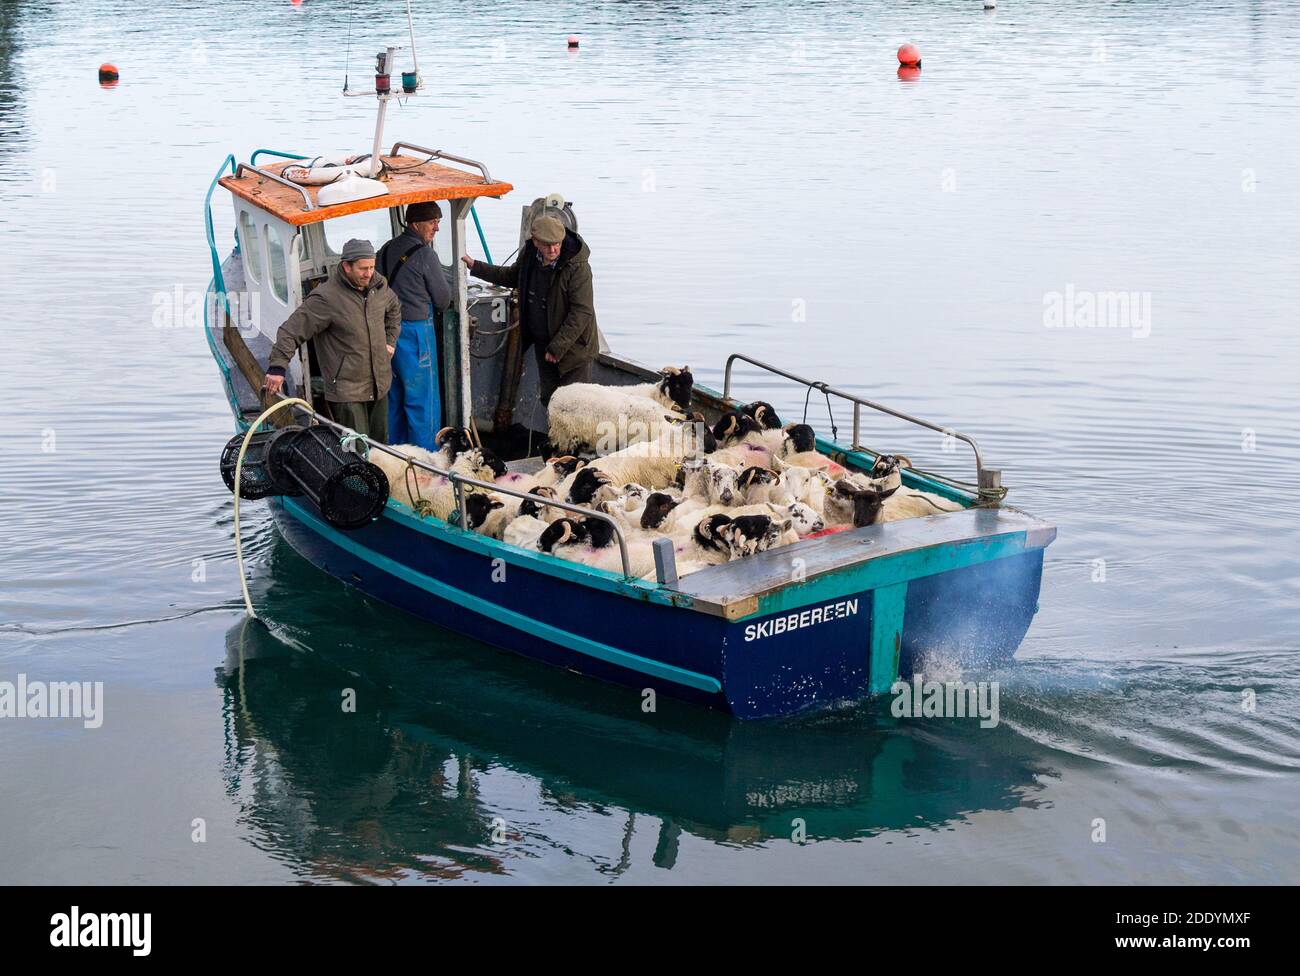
[652, 463]
[524, 531]
[908, 503]
[425, 492]
[593, 417]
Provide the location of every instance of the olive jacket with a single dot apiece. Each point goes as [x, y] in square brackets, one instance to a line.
[351, 329]
[570, 305]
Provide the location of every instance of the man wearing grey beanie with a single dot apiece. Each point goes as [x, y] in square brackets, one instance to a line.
[353, 319]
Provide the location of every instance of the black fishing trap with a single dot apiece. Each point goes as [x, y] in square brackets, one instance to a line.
[310, 461]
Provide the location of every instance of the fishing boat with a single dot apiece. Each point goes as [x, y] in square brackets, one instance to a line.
[824, 621]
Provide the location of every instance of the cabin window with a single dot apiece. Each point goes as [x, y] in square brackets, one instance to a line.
[374, 226]
[276, 254]
[250, 245]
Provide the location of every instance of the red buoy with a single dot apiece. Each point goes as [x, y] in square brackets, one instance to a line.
[573, 40]
[909, 55]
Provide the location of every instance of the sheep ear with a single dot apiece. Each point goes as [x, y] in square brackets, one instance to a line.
[498, 504]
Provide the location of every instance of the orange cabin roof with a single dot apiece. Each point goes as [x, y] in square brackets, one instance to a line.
[409, 181]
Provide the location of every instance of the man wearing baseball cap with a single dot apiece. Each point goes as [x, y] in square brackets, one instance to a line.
[354, 319]
[557, 310]
[414, 272]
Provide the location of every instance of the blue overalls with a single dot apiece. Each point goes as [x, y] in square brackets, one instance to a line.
[415, 399]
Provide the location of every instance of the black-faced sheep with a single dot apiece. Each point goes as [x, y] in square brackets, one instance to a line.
[593, 417]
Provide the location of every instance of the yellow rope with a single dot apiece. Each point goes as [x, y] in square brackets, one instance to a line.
[239, 469]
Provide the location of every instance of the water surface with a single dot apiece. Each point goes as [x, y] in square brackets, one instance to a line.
[751, 177]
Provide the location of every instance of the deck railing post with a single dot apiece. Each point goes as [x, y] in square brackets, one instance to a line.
[459, 489]
[665, 562]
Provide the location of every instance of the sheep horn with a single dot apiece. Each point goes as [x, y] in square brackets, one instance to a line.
[438, 437]
[903, 460]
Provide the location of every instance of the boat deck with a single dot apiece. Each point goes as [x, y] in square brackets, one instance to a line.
[733, 589]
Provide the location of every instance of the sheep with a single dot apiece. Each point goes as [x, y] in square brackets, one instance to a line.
[734, 425]
[799, 519]
[760, 485]
[672, 390]
[557, 469]
[428, 493]
[405, 479]
[913, 503]
[588, 486]
[547, 513]
[808, 485]
[654, 462]
[583, 416]
[525, 531]
[715, 482]
[590, 542]
[763, 413]
[451, 441]
[703, 546]
[586, 417]
[486, 514]
[750, 534]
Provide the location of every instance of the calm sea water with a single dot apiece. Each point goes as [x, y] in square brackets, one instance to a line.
[751, 177]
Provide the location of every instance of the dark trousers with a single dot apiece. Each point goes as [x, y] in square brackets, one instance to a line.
[552, 379]
[369, 418]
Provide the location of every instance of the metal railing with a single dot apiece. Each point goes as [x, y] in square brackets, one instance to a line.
[440, 154]
[458, 481]
[988, 480]
[307, 204]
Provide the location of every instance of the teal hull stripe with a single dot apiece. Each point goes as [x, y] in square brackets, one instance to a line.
[547, 632]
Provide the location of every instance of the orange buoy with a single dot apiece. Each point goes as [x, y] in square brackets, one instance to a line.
[909, 55]
[107, 72]
[573, 40]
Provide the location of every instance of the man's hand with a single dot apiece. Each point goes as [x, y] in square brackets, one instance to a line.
[469, 261]
[273, 384]
[391, 350]
[551, 359]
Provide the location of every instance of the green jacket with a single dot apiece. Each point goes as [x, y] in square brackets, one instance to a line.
[351, 329]
[570, 306]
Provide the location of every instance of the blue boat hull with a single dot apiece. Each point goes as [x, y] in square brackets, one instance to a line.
[808, 653]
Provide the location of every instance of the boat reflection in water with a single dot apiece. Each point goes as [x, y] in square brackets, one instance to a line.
[457, 759]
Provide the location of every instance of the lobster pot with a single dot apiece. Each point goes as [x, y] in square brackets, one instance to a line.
[350, 492]
[255, 478]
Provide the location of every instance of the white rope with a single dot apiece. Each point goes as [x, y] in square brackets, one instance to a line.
[239, 470]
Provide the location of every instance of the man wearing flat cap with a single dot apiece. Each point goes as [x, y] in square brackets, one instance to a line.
[413, 270]
[557, 310]
[354, 318]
